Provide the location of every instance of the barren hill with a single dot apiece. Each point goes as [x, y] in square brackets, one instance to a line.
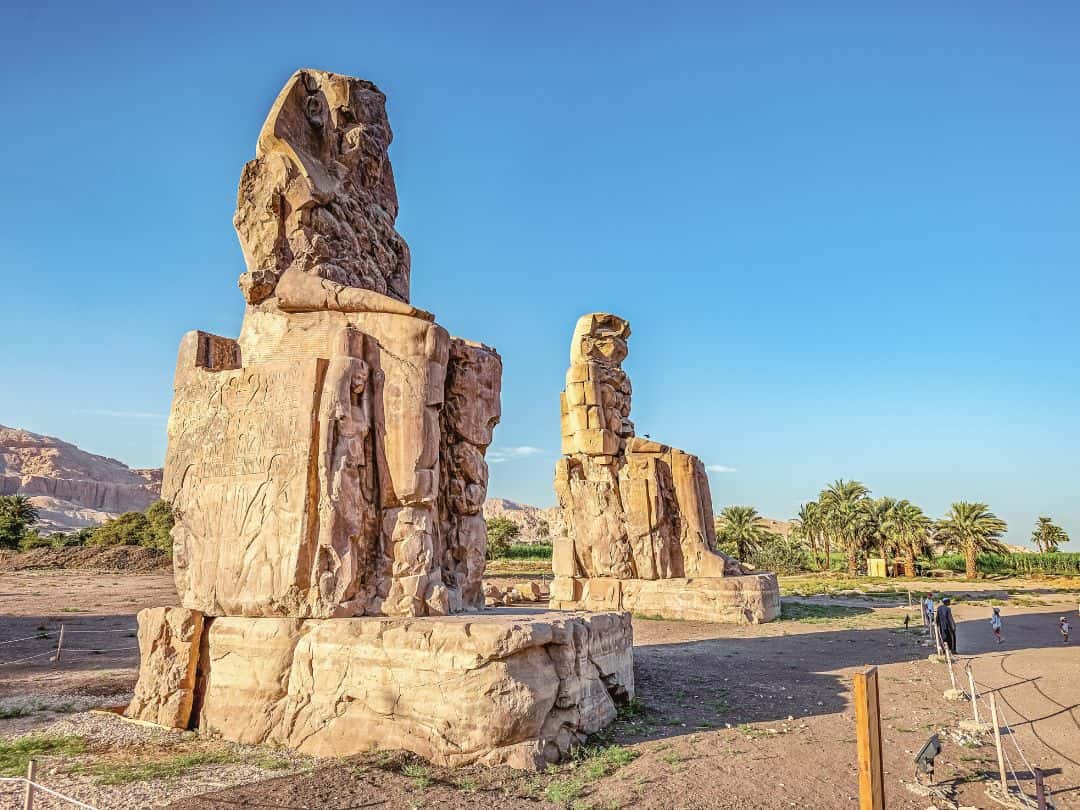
[70, 487]
[537, 525]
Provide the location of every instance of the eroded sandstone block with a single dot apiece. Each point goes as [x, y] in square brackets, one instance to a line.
[169, 640]
[507, 688]
[636, 510]
[747, 599]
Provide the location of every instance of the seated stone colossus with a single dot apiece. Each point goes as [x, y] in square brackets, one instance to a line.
[638, 514]
[327, 475]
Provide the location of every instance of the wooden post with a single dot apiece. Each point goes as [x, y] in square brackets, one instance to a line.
[948, 660]
[974, 697]
[59, 645]
[997, 744]
[868, 740]
[28, 796]
[1040, 789]
[937, 637]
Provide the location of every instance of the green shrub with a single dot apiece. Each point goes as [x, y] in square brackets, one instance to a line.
[781, 555]
[501, 532]
[32, 540]
[150, 528]
[528, 551]
[1055, 563]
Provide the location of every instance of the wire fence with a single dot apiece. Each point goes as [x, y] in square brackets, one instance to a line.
[57, 651]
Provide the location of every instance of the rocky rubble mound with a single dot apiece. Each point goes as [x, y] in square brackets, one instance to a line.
[135, 559]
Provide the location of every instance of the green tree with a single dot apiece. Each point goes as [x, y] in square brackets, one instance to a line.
[741, 526]
[910, 530]
[150, 528]
[501, 532]
[971, 528]
[17, 515]
[809, 526]
[159, 520]
[844, 510]
[130, 529]
[1047, 536]
[876, 528]
[783, 555]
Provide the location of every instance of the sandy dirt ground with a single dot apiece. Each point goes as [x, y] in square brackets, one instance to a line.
[726, 717]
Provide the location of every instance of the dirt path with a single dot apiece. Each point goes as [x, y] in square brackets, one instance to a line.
[727, 717]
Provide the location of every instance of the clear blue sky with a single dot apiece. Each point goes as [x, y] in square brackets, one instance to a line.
[846, 237]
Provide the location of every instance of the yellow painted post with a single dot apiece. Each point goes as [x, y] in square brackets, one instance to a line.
[868, 740]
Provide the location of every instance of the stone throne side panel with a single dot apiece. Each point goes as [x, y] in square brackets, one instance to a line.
[239, 472]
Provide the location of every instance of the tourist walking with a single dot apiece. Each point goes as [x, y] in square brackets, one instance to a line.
[1063, 625]
[946, 625]
[995, 624]
[928, 612]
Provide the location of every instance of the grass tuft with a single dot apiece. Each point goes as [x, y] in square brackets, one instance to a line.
[418, 773]
[111, 773]
[15, 754]
[564, 791]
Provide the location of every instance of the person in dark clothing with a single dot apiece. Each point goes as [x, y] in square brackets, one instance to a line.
[946, 625]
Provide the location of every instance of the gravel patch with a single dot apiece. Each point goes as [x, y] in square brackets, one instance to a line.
[116, 746]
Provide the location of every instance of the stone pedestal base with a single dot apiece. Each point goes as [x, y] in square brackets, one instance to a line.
[747, 599]
[518, 688]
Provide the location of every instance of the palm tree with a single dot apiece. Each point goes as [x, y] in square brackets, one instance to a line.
[1047, 536]
[742, 526]
[972, 528]
[809, 526]
[844, 506]
[877, 532]
[17, 514]
[910, 530]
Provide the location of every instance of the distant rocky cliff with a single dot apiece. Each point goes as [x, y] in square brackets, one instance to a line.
[537, 525]
[70, 487]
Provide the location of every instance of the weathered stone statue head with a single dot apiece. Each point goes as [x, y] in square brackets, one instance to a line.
[600, 336]
[319, 197]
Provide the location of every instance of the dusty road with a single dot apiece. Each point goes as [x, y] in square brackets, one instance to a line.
[728, 717]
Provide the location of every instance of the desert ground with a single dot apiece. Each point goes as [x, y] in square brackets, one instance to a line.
[725, 716]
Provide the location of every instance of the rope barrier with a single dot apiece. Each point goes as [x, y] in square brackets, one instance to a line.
[28, 658]
[38, 786]
[1022, 797]
[26, 638]
[132, 630]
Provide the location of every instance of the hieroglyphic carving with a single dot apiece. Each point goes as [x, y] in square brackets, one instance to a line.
[238, 472]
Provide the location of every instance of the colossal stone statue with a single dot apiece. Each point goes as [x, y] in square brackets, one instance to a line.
[327, 475]
[638, 513]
